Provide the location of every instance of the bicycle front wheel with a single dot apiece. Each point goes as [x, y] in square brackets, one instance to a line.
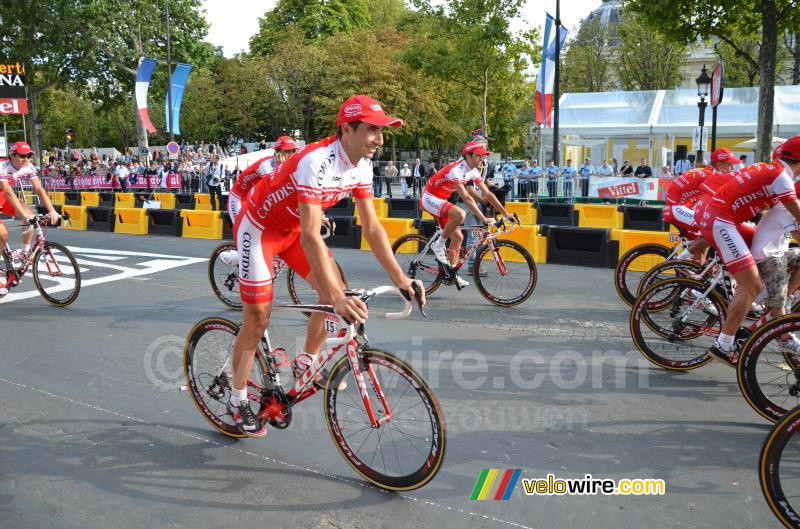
[223, 274]
[768, 373]
[633, 265]
[56, 274]
[678, 338]
[208, 368]
[779, 469]
[417, 266]
[406, 451]
[509, 273]
[301, 292]
[669, 270]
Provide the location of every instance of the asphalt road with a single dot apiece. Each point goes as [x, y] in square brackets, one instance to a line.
[93, 432]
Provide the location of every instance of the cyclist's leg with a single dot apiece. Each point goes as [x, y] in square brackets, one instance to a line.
[455, 218]
[295, 258]
[3, 235]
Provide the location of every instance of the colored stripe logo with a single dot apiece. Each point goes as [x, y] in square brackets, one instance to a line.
[495, 484]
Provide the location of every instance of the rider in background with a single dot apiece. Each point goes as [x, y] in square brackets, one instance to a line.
[452, 178]
[749, 191]
[18, 166]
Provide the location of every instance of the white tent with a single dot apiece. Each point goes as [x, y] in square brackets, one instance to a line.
[244, 160]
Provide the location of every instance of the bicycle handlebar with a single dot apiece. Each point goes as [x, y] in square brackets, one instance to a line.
[44, 218]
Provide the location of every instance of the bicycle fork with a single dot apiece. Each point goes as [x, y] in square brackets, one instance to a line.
[358, 373]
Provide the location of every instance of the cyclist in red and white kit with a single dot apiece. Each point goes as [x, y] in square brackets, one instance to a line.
[751, 190]
[450, 179]
[283, 217]
[12, 169]
[265, 167]
[686, 193]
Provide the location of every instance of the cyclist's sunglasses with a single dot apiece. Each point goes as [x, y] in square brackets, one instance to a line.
[18, 155]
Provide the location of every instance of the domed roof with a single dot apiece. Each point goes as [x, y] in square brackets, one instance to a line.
[608, 13]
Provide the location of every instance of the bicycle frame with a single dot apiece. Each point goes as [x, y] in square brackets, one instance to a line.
[16, 274]
[484, 236]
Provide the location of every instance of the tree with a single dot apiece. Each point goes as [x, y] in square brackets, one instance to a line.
[123, 31]
[683, 21]
[469, 43]
[791, 41]
[314, 18]
[645, 59]
[587, 59]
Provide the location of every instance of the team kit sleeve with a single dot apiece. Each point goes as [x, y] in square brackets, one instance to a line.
[308, 177]
[364, 187]
[783, 188]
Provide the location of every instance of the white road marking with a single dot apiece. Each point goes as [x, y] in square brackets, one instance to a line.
[95, 260]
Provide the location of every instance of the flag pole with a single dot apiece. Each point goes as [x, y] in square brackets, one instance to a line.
[556, 87]
[169, 79]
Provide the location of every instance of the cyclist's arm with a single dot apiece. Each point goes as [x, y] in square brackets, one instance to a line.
[793, 208]
[475, 195]
[492, 200]
[470, 203]
[8, 191]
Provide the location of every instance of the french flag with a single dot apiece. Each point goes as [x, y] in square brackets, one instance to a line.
[143, 76]
[547, 74]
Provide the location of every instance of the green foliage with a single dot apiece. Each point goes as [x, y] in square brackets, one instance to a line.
[646, 60]
[314, 18]
[587, 63]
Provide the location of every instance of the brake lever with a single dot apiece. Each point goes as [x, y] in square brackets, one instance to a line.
[417, 296]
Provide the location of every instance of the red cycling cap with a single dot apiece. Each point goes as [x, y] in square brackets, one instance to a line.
[475, 147]
[724, 155]
[364, 108]
[285, 143]
[21, 147]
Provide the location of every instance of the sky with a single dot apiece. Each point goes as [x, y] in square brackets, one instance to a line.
[233, 22]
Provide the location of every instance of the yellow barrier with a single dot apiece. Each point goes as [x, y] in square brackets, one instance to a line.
[202, 201]
[124, 200]
[528, 237]
[381, 209]
[202, 224]
[78, 218]
[426, 215]
[167, 200]
[527, 213]
[56, 197]
[25, 198]
[90, 198]
[599, 216]
[131, 220]
[395, 228]
[631, 238]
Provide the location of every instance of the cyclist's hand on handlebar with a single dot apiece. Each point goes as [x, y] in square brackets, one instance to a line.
[511, 218]
[351, 308]
[53, 217]
[326, 223]
[407, 286]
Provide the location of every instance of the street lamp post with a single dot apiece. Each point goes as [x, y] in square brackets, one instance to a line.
[37, 128]
[703, 84]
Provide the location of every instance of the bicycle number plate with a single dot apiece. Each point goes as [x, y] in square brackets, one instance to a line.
[674, 237]
[331, 324]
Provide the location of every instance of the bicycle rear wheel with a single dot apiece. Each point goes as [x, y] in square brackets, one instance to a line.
[779, 469]
[633, 265]
[224, 277]
[301, 292]
[208, 368]
[423, 267]
[510, 273]
[768, 375]
[56, 274]
[678, 338]
[406, 451]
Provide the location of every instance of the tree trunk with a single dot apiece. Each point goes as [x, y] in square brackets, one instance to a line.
[796, 55]
[485, 99]
[34, 113]
[766, 87]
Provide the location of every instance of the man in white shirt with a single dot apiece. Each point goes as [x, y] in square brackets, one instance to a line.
[682, 165]
[215, 174]
[605, 169]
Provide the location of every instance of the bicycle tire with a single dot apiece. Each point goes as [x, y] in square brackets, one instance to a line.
[209, 392]
[224, 278]
[509, 263]
[294, 289]
[414, 270]
[430, 459]
[660, 272]
[685, 355]
[46, 255]
[765, 373]
[648, 253]
[769, 469]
